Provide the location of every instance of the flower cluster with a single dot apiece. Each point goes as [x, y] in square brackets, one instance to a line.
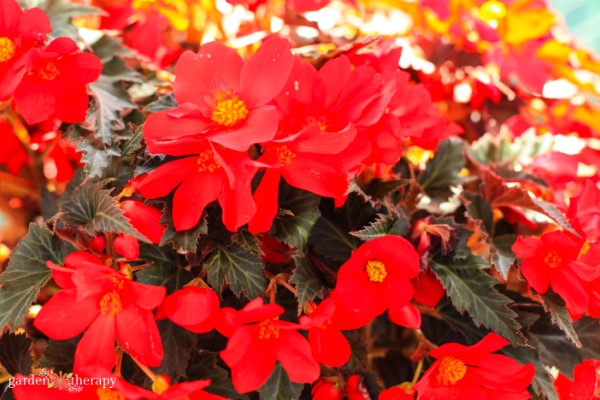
[315, 129]
[46, 80]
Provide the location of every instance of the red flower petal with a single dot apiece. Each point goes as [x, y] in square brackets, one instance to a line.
[97, 346]
[165, 178]
[329, 346]
[64, 317]
[266, 72]
[293, 351]
[192, 196]
[191, 305]
[266, 195]
[220, 68]
[127, 246]
[407, 316]
[138, 335]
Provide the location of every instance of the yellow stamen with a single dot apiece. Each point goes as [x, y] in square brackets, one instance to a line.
[268, 330]
[49, 71]
[229, 109]
[7, 49]
[161, 384]
[584, 249]
[109, 394]
[285, 155]
[208, 162]
[552, 259]
[376, 270]
[111, 304]
[451, 370]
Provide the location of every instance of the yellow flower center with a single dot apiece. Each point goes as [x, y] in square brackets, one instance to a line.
[584, 249]
[552, 259]
[492, 10]
[7, 49]
[376, 271]
[208, 162]
[49, 71]
[109, 394]
[111, 304]
[321, 121]
[268, 330]
[451, 370]
[229, 109]
[161, 384]
[285, 155]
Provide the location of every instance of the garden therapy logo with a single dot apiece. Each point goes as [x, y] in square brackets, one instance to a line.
[69, 382]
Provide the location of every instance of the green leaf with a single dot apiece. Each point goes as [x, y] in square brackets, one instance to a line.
[166, 269]
[182, 241]
[178, 344]
[441, 173]
[94, 209]
[331, 241]
[15, 355]
[293, 226]
[479, 209]
[163, 103]
[27, 273]
[242, 269]
[105, 114]
[382, 226]
[588, 331]
[502, 255]
[308, 284]
[59, 355]
[203, 365]
[560, 317]
[95, 155]
[279, 386]
[472, 290]
[107, 47]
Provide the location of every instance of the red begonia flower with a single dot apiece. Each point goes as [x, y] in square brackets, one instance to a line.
[329, 346]
[213, 174]
[144, 218]
[473, 372]
[229, 319]
[221, 99]
[20, 32]
[584, 215]
[327, 389]
[127, 246]
[355, 388]
[584, 385]
[552, 261]
[107, 306]
[428, 289]
[56, 85]
[377, 277]
[194, 308]
[253, 350]
[397, 393]
[12, 151]
[308, 160]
